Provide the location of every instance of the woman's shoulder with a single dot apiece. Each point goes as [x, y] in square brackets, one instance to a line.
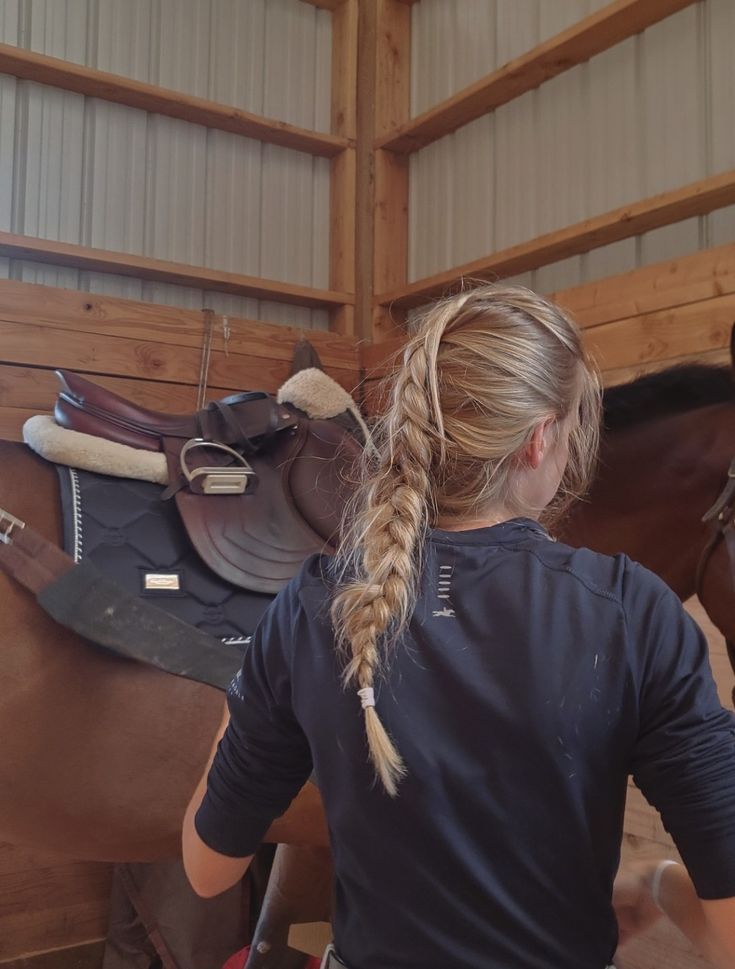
[615, 575]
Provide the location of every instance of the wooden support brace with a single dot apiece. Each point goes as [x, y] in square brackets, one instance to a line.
[31, 66]
[388, 91]
[697, 198]
[601, 30]
[144, 267]
[343, 171]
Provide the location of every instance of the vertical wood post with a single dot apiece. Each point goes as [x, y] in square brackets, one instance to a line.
[383, 80]
[392, 108]
[342, 187]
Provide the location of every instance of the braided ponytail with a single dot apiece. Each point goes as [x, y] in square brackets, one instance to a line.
[389, 521]
[482, 371]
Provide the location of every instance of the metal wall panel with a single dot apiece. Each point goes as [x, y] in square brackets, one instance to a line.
[105, 175]
[719, 31]
[650, 114]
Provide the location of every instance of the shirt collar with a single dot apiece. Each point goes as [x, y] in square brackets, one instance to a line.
[505, 533]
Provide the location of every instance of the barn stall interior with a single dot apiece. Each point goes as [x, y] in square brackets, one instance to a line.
[190, 186]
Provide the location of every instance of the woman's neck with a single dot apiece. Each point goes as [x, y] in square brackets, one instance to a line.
[494, 516]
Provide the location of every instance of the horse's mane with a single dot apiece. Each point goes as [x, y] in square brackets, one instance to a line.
[673, 391]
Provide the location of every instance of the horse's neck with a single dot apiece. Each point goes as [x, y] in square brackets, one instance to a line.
[655, 482]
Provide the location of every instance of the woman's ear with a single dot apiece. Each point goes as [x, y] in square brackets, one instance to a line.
[536, 449]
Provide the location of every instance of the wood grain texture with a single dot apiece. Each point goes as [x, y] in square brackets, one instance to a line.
[87, 955]
[31, 66]
[663, 285]
[390, 171]
[157, 323]
[343, 167]
[666, 335]
[48, 902]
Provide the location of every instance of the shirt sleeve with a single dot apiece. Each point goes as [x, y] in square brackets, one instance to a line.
[263, 759]
[684, 758]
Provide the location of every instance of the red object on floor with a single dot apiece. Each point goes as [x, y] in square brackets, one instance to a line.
[238, 960]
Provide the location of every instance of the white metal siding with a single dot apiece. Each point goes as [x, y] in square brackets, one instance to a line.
[648, 115]
[94, 173]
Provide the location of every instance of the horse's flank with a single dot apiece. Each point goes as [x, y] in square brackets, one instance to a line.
[100, 755]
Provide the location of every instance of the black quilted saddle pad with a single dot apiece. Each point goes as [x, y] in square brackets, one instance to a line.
[132, 536]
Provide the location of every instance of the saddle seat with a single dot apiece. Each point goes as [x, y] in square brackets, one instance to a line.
[293, 471]
[86, 407]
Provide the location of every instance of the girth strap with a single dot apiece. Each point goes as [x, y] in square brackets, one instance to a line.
[79, 597]
[29, 557]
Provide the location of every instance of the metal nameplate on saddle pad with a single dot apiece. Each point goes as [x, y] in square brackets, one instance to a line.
[165, 582]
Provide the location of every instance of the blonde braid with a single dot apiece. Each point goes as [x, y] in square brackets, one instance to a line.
[388, 530]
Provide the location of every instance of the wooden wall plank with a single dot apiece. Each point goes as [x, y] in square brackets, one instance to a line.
[32, 66]
[156, 323]
[88, 955]
[596, 33]
[17, 246]
[662, 285]
[667, 335]
[47, 902]
[624, 375]
[37, 387]
[38, 345]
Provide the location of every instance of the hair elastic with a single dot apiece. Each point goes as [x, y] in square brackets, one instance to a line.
[656, 881]
[367, 697]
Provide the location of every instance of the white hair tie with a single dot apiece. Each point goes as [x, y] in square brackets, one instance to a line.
[367, 697]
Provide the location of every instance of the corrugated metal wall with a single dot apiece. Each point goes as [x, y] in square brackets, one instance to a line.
[649, 115]
[98, 174]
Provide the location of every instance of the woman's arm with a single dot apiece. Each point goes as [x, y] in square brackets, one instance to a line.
[208, 871]
[709, 925]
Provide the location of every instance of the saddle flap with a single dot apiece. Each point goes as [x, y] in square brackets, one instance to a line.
[260, 539]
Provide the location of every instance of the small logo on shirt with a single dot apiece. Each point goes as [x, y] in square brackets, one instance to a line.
[443, 591]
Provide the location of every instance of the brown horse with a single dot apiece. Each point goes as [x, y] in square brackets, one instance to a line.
[100, 755]
[668, 443]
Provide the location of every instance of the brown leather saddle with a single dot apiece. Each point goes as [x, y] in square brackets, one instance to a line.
[258, 484]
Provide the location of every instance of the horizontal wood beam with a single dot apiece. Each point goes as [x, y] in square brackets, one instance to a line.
[324, 4]
[31, 66]
[678, 332]
[44, 345]
[601, 30]
[143, 267]
[697, 198]
[624, 375]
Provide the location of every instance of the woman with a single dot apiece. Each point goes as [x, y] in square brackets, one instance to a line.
[473, 695]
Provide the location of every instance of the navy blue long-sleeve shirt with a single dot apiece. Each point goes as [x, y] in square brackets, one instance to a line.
[532, 679]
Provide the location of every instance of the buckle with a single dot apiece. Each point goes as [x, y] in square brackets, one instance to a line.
[215, 480]
[7, 523]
